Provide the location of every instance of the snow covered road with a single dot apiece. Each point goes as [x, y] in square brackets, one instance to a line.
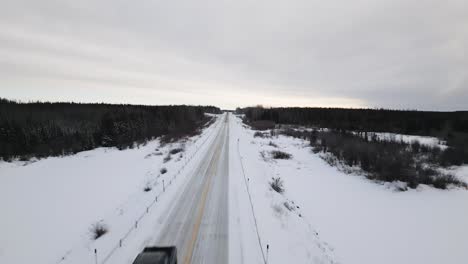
[197, 223]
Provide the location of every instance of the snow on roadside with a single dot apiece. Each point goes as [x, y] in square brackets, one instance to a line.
[48, 206]
[291, 238]
[363, 221]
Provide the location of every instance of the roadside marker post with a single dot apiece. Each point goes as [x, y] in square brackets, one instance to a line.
[95, 256]
[268, 249]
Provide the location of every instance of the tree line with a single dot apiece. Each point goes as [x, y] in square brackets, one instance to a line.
[451, 127]
[437, 124]
[43, 129]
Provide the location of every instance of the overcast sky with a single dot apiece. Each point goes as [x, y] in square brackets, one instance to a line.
[405, 54]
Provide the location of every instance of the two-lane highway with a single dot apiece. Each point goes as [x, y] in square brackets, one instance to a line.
[198, 221]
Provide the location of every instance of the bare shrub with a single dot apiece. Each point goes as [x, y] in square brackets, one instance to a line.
[273, 133]
[147, 187]
[153, 154]
[163, 170]
[289, 206]
[272, 144]
[176, 150]
[445, 180]
[277, 185]
[415, 146]
[258, 134]
[401, 188]
[98, 230]
[316, 150]
[276, 154]
[261, 135]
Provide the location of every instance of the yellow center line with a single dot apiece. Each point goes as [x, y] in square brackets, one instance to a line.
[188, 255]
[196, 228]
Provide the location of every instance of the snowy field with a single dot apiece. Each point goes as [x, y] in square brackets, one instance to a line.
[48, 206]
[385, 136]
[423, 140]
[347, 218]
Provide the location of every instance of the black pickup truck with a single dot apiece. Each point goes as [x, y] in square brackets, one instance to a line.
[157, 255]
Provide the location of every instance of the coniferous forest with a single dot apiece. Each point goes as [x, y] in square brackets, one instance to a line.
[424, 123]
[43, 129]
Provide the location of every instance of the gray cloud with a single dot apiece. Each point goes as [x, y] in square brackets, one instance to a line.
[397, 54]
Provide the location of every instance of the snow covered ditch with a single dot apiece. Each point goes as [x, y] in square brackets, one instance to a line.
[49, 206]
[336, 217]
